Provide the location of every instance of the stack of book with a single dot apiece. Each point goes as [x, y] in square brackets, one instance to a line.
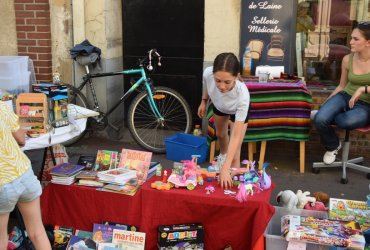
[88, 178]
[117, 176]
[65, 173]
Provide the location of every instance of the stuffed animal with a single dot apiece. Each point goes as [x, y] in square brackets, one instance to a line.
[288, 199]
[303, 198]
[318, 205]
[321, 196]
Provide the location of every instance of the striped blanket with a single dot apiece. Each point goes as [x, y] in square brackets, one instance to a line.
[279, 111]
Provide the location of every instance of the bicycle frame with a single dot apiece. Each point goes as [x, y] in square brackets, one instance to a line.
[143, 80]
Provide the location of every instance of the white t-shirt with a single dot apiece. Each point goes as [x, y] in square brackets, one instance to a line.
[236, 101]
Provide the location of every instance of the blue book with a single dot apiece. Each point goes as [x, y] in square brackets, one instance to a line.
[66, 169]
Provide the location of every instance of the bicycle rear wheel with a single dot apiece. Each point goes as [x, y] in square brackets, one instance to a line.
[147, 130]
[76, 97]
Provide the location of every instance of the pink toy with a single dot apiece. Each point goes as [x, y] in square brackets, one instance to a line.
[265, 180]
[188, 178]
[210, 189]
[318, 205]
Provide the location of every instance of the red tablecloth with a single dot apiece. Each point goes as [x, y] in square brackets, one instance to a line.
[225, 220]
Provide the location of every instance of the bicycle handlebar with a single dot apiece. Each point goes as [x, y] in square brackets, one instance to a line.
[151, 54]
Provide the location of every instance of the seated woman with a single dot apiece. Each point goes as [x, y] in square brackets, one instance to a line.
[348, 106]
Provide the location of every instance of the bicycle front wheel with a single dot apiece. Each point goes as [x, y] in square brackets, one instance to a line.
[76, 97]
[148, 130]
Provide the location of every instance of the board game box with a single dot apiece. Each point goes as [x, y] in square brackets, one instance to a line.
[182, 236]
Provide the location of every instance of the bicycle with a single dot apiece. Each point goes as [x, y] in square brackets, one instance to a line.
[154, 114]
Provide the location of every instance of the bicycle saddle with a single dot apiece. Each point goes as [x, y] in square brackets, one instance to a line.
[87, 59]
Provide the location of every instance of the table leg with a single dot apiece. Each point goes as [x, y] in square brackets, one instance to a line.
[44, 161]
[262, 155]
[302, 156]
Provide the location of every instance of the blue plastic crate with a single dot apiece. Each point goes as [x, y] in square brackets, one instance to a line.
[182, 146]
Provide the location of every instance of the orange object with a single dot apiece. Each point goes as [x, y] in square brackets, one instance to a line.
[206, 174]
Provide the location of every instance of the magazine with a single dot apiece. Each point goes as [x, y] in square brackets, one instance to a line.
[128, 240]
[322, 231]
[348, 210]
[80, 243]
[136, 160]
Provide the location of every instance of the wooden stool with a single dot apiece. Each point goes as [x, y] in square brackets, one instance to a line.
[252, 150]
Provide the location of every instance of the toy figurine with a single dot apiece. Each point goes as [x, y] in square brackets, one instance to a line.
[210, 189]
[242, 194]
[160, 185]
[265, 180]
[165, 177]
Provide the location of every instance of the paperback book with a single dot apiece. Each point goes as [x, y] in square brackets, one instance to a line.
[129, 188]
[322, 231]
[105, 160]
[62, 235]
[87, 160]
[136, 160]
[80, 243]
[350, 210]
[87, 175]
[66, 169]
[104, 233]
[118, 175]
[124, 226]
[128, 240]
[83, 234]
[63, 180]
[90, 183]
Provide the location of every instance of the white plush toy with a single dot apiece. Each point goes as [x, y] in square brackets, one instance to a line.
[304, 198]
[288, 199]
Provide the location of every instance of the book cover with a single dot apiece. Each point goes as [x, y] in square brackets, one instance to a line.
[90, 183]
[136, 160]
[62, 236]
[322, 231]
[129, 240]
[87, 160]
[103, 233]
[80, 243]
[66, 169]
[83, 234]
[130, 188]
[348, 210]
[124, 226]
[87, 175]
[105, 160]
[107, 246]
[118, 175]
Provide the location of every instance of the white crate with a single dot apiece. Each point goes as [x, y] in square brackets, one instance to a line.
[16, 84]
[11, 66]
[272, 234]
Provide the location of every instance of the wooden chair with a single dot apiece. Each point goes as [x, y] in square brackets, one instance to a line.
[345, 163]
[275, 49]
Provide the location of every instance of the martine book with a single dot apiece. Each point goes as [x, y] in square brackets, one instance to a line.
[348, 210]
[105, 160]
[104, 233]
[66, 169]
[136, 160]
[322, 231]
[128, 240]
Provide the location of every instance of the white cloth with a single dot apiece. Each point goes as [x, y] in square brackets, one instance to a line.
[236, 101]
[59, 135]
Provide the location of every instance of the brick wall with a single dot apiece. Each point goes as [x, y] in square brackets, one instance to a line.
[34, 35]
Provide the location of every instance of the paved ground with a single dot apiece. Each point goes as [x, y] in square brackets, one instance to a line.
[284, 167]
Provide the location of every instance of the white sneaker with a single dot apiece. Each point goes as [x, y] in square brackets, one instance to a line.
[329, 156]
[220, 160]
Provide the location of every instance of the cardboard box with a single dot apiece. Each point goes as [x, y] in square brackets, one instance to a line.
[184, 236]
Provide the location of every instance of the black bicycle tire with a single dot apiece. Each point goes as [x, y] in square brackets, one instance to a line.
[73, 93]
[159, 143]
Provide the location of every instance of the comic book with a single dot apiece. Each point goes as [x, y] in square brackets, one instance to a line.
[81, 243]
[128, 240]
[104, 233]
[62, 236]
[348, 210]
[66, 169]
[136, 160]
[322, 231]
[105, 160]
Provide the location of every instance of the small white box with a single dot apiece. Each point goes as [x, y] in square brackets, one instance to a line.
[273, 71]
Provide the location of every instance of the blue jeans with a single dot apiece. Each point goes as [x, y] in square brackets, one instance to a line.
[337, 112]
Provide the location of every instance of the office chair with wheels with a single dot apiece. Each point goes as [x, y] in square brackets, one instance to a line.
[345, 163]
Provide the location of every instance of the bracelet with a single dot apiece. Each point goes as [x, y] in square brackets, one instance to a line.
[365, 89]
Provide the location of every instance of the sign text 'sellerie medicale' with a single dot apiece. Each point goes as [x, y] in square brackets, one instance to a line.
[264, 20]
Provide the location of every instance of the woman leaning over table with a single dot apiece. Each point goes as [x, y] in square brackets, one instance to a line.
[18, 184]
[230, 98]
[348, 106]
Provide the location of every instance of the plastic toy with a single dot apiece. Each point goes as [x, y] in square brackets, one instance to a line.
[210, 189]
[318, 205]
[288, 199]
[160, 185]
[321, 196]
[189, 177]
[265, 181]
[304, 198]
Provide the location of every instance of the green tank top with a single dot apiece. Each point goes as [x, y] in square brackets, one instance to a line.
[356, 81]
